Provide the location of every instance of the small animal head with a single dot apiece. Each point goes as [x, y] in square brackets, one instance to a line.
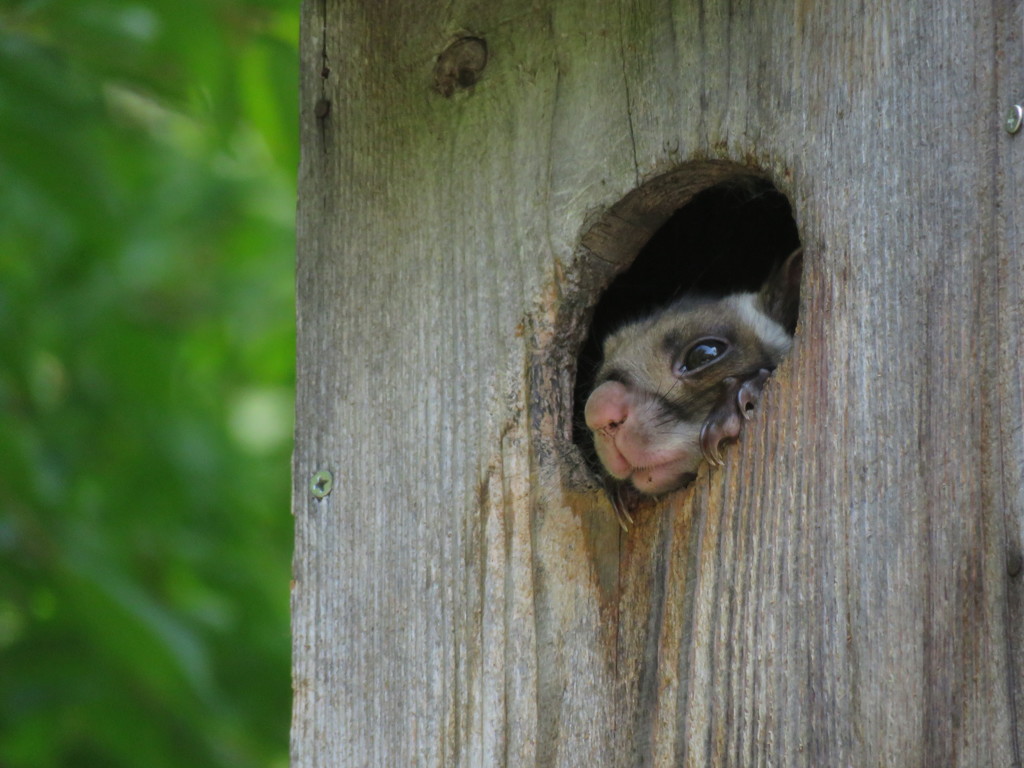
[663, 377]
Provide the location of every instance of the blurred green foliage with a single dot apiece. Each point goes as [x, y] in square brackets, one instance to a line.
[147, 161]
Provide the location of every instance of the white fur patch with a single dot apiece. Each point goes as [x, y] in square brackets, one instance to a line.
[768, 331]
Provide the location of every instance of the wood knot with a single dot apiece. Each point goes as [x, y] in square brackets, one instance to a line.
[459, 65]
[1014, 563]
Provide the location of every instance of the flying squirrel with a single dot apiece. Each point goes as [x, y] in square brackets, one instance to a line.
[677, 384]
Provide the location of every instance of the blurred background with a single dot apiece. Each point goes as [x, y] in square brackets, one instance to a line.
[148, 154]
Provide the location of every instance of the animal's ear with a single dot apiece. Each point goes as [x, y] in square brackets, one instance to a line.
[780, 295]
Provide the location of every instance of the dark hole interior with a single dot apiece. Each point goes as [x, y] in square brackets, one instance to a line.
[727, 238]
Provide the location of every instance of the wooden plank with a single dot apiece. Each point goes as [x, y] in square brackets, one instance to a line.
[870, 495]
[1004, 404]
[423, 224]
[838, 593]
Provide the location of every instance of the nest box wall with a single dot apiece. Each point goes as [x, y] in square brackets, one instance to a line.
[846, 590]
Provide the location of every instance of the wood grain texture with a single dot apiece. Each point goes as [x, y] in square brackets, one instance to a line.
[843, 591]
[1004, 403]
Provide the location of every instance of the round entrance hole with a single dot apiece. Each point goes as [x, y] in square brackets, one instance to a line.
[713, 228]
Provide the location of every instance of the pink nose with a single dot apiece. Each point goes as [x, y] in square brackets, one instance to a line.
[608, 406]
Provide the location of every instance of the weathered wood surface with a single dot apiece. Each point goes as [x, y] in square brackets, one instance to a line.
[842, 593]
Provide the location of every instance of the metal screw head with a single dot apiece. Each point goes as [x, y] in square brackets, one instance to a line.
[1014, 118]
[321, 483]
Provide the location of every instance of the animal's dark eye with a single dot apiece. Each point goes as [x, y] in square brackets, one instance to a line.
[700, 354]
